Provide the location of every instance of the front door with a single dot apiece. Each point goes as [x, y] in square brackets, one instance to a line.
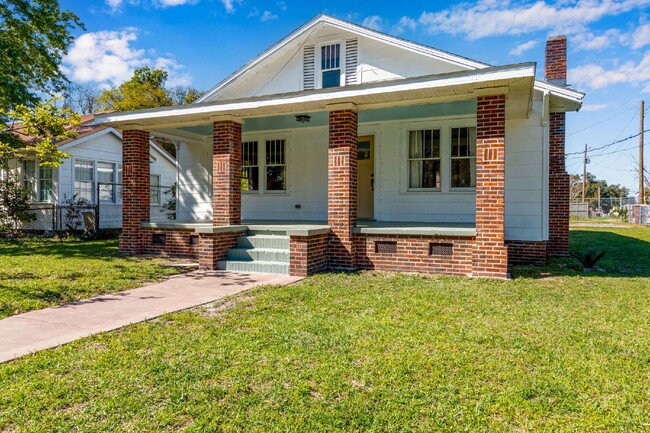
[366, 177]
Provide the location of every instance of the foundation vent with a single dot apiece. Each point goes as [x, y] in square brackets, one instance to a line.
[386, 247]
[438, 249]
[194, 241]
[159, 239]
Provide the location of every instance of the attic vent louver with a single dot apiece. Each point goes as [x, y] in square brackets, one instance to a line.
[308, 68]
[351, 61]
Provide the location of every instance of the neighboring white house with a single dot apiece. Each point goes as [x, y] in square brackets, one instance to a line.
[95, 160]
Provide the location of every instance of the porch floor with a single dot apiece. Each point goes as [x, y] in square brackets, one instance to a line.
[309, 228]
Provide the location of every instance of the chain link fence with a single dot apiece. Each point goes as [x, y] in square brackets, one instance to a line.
[605, 207]
[98, 212]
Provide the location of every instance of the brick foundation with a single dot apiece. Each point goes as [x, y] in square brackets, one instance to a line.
[413, 254]
[526, 253]
[490, 257]
[342, 187]
[226, 173]
[171, 243]
[135, 192]
[308, 254]
[214, 247]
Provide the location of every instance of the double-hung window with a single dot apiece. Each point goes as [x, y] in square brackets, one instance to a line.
[276, 167]
[424, 159]
[30, 182]
[38, 181]
[250, 170]
[45, 184]
[463, 157]
[330, 61]
[154, 184]
[84, 179]
[106, 181]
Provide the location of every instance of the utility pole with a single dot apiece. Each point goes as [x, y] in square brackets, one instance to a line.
[584, 174]
[641, 176]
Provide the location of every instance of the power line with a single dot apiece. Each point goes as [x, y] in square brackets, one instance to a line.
[602, 121]
[608, 144]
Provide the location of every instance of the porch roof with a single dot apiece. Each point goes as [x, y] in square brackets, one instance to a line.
[517, 80]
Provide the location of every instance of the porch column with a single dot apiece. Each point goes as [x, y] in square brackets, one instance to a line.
[226, 171]
[136, 195]
[490, 256]
[342, 185]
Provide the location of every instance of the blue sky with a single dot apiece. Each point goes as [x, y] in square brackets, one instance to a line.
[200, 42]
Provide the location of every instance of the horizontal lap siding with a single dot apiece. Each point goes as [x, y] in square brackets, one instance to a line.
[194, 182]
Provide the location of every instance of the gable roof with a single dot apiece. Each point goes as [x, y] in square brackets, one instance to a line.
[565, 95]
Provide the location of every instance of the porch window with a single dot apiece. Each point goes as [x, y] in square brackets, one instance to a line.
[463, 157]
[330, 65]
[84, 179]
[154, 184]
[276, 168]
[424, 159]
[29, 179]
[106, 180]
[250, 170]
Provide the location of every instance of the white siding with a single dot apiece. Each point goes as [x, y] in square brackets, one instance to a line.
[194, 182]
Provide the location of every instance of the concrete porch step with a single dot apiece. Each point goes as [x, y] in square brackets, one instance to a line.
[253, 266]
[263, 241]
[259, 254]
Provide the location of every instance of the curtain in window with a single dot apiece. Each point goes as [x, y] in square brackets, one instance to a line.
[415, 151]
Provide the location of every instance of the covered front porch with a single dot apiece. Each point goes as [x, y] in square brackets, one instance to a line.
[431, 224]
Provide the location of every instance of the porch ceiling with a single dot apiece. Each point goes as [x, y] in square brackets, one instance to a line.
[515, 80]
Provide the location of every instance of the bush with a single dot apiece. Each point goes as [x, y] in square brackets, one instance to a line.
[14, 203]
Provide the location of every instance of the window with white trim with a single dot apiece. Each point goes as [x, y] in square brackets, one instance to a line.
[45, 184]
[38, 181]
[330, 61]
[154, 184]
[30, 182]
[463, 157]
[106, 181]
[84, 179]
[250, 170]
[276, 167]
[424, 159]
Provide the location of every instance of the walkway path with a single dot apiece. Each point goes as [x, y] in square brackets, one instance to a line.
[37, 330]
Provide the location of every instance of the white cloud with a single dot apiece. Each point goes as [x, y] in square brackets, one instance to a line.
[504, 17]
[640, 37]
[597, 77]
[267, 16]
[230, 5]
[374, 22]
[168, 3]
[593, 107]
[404, 24]
[107, 58]
[590, 41]
[522, 48]
[114, 4]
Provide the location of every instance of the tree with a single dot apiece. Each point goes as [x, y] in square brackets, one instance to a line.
[146, 89]
[82, 98]
[34, 132]
[185, 95]
[14, 203]
[34, 36]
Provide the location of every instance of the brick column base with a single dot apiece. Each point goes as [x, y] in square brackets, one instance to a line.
[308, 255]
[214, 247]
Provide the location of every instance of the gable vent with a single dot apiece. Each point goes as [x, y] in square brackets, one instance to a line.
[308, 68]
[351, 48]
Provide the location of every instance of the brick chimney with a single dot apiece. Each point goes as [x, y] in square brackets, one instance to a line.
[555, 67]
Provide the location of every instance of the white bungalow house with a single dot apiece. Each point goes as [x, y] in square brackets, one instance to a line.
[95, 159]
[341, 147]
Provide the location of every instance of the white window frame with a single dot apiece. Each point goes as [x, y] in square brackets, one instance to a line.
[158, 193]
[445, 126]
[96, 181]
[452, 158]
[74, 177]
[261, 161]
[319, 61]
[409, 159]
[259, 166]
[34, 185]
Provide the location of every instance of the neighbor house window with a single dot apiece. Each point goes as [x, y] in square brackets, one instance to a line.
[463, 157]
[84, 179]
[424, 159]
[330, 65]
[30, 182]
[276, 168]
[250, 170]
[45, 185]
[106, 181]
[154, 183]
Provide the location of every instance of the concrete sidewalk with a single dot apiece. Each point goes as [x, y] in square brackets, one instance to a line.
[37, 330]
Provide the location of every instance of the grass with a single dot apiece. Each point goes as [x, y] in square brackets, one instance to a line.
[553, 349]
[39, 273]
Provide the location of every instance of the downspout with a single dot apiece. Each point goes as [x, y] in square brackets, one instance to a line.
[546, 115]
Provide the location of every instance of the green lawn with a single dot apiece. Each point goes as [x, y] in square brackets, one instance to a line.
[39, 273]
[550, 350]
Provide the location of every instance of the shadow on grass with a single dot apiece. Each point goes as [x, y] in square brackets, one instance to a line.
[64, 249]
[626, 256]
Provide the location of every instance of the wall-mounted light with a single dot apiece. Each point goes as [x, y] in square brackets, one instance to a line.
[303, 118]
